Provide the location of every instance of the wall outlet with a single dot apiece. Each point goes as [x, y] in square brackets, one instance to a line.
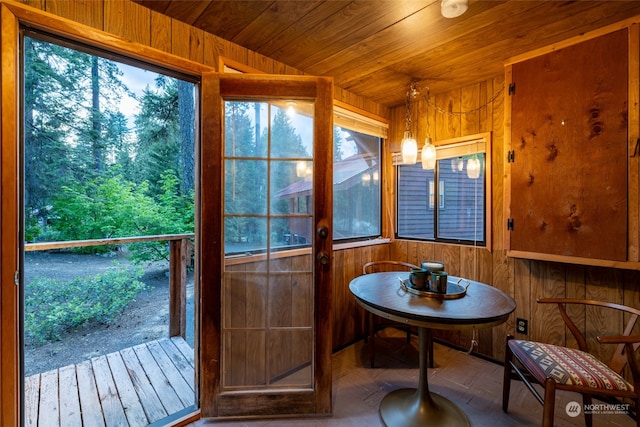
[522, 326]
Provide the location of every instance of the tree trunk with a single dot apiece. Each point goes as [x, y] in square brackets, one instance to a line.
[186, 119]
[96, 122]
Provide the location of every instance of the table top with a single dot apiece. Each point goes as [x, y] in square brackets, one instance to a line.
[481, 306]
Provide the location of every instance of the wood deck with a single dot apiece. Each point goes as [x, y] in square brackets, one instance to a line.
[133, 387]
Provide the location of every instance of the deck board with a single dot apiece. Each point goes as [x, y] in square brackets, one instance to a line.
[107, 392]
[159, 381]
[182, 388]
[130, 399]
[31, 400]
[48, 408]
[133, 387]
[88, 392]
[70, 414]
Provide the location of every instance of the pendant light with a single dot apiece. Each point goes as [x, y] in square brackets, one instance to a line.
[473, 168]
[428, 154]
[409, 144]
[428, 149]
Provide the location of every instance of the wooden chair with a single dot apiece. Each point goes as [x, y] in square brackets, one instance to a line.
[561, 368]
[375, 323]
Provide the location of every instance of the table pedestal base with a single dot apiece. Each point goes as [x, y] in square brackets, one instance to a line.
[406, 408]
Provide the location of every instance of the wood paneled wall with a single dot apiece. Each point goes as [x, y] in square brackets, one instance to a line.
[524, 280]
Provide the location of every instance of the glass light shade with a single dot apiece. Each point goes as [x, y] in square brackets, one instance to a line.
[376, 177]
[409, 149]
[473, 168]
[301, 168]
[366, 179]
[291, 109]
[428, 155]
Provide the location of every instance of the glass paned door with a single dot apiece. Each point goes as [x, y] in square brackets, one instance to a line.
[266, 245]
[267, 296]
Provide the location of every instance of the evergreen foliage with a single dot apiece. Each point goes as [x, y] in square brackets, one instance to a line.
[88, 174]
[53, 307]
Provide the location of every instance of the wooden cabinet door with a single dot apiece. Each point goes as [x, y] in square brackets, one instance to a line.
[569, 144]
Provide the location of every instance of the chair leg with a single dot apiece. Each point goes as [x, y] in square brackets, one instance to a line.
[549, 402]
[372, 340]
[506, 379]
[588, 417]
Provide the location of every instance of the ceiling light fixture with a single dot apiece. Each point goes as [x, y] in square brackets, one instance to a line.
[453, 8]
[428, 150]
[428, 154]
[409, 144]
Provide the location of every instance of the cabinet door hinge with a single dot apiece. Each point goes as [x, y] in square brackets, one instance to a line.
[511, 156]
[512, 88]
[510, 224]
[16, 278]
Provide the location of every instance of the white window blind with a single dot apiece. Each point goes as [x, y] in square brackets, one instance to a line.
[351, 120]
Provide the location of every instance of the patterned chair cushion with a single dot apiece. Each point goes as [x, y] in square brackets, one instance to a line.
[566, 366]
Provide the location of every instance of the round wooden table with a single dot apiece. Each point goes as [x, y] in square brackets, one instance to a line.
[481, 306]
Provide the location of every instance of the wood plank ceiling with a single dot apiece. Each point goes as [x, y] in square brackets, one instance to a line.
[376, 48]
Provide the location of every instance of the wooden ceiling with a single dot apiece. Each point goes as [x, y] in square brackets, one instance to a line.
[375, 48]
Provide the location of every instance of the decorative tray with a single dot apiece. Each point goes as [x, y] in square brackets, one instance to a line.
[455, 290]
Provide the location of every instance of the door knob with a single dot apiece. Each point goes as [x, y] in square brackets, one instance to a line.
[323, 258]
[323, 232]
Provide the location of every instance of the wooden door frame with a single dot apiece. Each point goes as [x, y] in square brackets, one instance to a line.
[213, 402]
[12, 16]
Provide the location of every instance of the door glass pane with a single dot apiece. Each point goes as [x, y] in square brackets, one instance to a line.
[267, 330]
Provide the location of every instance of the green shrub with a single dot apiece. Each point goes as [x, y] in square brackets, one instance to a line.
[53, 307]
[114, 207]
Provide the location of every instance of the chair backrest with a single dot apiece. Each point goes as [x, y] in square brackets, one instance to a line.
[386, 265]
[618, 360]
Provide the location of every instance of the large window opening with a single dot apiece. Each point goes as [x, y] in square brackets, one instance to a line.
[357, 176]
[108, 184]
[449, 202]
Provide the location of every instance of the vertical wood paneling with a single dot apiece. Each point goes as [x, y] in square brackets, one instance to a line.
[469, 103]
[503, 267]
[88, 12]
[603, 284]
[260, 62]
[211, 47]
[547, 281]
[448, 118]
[342, 303]
[129, 20]
[187, 41]
[634, 136]
[575, 289]
[160, 32]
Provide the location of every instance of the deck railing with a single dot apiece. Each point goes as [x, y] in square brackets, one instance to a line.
[180, 247]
